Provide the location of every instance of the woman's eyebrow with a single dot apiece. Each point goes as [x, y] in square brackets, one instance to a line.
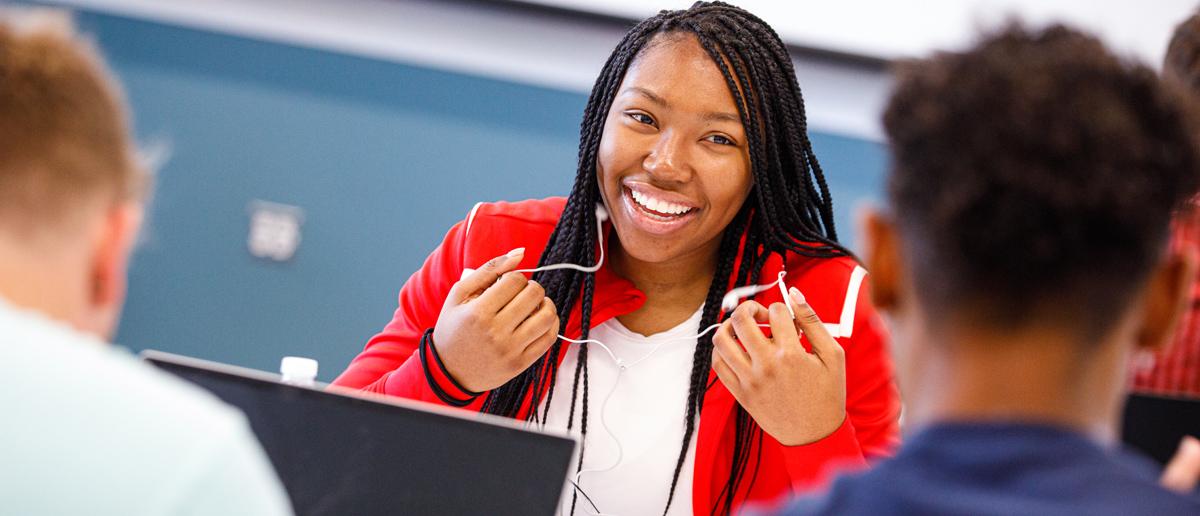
[650, 95]
[715, 116]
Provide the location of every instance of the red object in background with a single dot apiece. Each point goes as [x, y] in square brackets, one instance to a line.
[1175, 371]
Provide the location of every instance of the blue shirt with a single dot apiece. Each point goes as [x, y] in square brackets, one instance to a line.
[1002, 469]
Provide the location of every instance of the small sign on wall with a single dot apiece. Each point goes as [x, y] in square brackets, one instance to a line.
[274, 230]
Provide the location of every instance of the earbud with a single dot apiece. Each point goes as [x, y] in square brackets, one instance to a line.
[783, 293]
[601, 216]
[733, 297]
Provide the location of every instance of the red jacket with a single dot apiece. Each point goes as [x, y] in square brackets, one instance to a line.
[835, 288]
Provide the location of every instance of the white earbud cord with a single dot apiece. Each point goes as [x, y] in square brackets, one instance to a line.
[621, 368]
[728, 302]
[601, 216]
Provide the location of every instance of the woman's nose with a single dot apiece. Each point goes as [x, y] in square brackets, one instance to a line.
[667, 160]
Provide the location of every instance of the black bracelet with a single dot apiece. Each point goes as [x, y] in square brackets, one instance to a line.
[437, 359]
[433, 384]
[426, 344]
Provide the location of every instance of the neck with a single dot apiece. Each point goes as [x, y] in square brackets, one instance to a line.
[674, 289]
[1038, 375]
[41, 278]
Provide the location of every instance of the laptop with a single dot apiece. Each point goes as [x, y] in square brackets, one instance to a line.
[342, 454]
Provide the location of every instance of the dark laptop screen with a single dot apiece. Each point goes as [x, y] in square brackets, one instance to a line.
[341, 455]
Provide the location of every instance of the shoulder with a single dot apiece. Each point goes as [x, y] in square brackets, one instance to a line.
[1102, 482]
[74, 375]
[865, 493]
[207, 457]
[1135, 477]
[528, 212]
[834, 288]
[88, 370]
[822, 270]
[494, 228]
[85, 406]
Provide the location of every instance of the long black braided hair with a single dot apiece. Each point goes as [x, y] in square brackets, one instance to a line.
[790, 211]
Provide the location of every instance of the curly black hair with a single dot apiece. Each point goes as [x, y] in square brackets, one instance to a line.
[1036, 174]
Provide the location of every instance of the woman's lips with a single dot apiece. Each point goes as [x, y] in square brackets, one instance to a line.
[655, 222]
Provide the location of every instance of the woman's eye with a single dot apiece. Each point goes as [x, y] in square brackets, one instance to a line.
[642, 117]
[720, 140]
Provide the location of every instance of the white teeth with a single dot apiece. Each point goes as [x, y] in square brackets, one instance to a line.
[659, 206]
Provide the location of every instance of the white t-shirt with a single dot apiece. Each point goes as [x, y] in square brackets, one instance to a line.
[645, 414]
[89, 429]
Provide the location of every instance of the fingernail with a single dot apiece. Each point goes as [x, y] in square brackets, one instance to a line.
[1191, 443]
[796, 295]
[516, 252]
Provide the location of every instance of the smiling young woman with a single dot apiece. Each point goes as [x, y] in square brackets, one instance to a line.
[694, 145]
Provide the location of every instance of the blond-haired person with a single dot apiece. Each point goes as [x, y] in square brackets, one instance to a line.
[87, 428]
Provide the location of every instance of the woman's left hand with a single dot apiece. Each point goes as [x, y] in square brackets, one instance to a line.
[796, 396]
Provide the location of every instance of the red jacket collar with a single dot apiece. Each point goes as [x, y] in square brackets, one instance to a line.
[613, 296]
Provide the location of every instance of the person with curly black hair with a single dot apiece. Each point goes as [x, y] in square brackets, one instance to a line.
[695, 177]
[1022, 260]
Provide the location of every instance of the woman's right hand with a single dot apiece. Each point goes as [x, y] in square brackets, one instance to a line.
[495, 323]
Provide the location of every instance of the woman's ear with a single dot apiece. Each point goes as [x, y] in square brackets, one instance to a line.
[1167, 296]
[882, 257]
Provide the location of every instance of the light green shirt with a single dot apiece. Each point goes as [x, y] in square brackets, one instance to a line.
[86, 428]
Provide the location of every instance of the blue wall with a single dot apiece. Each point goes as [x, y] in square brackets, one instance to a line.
[382, 157]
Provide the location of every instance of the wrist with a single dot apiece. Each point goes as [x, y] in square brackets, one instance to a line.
[444, 385]
[817, 434]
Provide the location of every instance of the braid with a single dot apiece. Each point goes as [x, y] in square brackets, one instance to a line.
[775, 62]
[789, 211]
[702, 359]
[573, 241]
[793, 211]
[589, 287]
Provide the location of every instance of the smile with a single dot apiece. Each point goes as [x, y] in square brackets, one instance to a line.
[651, 212]
[658, 206]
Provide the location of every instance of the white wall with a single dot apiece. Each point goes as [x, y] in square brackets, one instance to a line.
[520, 45]
[565, 52]
[889, 29]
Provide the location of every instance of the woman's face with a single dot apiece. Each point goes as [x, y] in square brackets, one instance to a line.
[673, 163]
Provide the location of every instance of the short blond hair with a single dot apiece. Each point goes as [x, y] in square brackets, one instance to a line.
[64, 128]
